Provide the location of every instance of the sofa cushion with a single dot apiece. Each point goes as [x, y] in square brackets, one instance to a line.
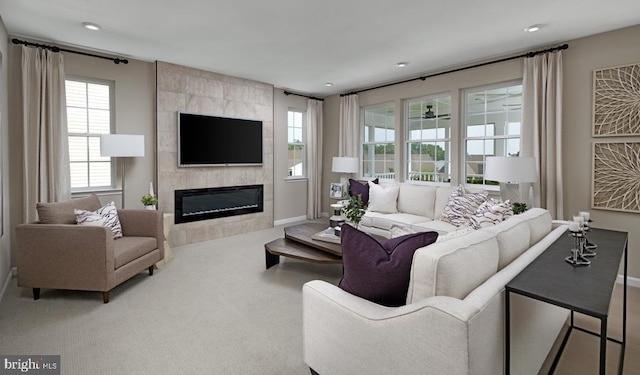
[461, 205]
[442, 197]
[62, 212]
[513, 239]
[453, 268]
[127, 249]
[358, 188]
[540, 223]
[436, 225]
[417, 199]
[379, 272]
[106, 216]
[490, 213]
[383, 198]
[388, 220]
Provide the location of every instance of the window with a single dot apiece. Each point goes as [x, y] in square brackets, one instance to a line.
[296, 165]
[89, 114]
[429, 139]
[492, 128]
[378, 148]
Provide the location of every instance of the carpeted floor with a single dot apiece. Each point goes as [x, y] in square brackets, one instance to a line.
[214, 309]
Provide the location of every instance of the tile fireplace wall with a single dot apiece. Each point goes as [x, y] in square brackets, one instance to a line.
[196, 91]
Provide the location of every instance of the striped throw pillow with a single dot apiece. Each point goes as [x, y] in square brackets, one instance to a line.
[461, 205]
[491, 213]
[106, 216]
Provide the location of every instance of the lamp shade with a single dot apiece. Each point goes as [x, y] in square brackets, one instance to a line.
[344, 165]
[510, 169]
[121, 145]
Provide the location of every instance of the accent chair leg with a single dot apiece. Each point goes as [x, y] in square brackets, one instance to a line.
[105, 297]
[36, 294]
[151, 271]
[313, 372]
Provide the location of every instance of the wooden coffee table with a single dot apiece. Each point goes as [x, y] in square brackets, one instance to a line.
[298, 244]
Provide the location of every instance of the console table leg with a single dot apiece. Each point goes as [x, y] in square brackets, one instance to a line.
[270, 259]
[603, 346]
[507, 334]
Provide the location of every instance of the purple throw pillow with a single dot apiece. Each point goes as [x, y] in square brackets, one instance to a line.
[379, 272]
[356, 187]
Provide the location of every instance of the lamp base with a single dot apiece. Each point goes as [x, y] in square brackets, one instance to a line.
[510, 191]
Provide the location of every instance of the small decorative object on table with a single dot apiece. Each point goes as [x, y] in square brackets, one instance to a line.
[578, 229]
[149, 201]
[337, 219]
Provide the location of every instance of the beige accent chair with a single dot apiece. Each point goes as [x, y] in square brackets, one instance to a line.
[56, 253]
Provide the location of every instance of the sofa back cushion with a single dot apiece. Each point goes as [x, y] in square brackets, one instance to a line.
[417, 199]
[540, 223]
[62, 212]
[513, 237]
[453, 268]
[442, 197]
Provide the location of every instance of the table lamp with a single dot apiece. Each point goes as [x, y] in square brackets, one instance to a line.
[510, 171]
[344, 166]
[122, 146]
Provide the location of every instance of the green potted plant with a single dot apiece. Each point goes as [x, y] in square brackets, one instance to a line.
[355, 209]
[519, 207]
[149, 201]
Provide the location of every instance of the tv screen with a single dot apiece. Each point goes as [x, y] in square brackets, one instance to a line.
[216, 141]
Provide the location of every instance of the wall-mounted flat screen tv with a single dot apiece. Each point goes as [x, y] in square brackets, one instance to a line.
[218, 141]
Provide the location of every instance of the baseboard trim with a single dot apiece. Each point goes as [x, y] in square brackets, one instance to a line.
[631, 281]
[5, 285]
[289, 220]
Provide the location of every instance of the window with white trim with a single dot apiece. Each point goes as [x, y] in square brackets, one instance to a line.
[296, 160]
[89, 114]
[492, 127]
[428, 141]
[378, 147]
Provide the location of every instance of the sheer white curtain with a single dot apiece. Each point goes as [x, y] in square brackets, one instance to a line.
[348, 142]
[542, 117]
[45, 143]
[314, 158]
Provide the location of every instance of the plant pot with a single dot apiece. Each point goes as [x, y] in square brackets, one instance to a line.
[152, 207]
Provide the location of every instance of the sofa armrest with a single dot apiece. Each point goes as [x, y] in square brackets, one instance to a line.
[143, 223]
[65, 256]
[345, 334]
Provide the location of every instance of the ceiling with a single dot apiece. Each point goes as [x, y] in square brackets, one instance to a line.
[302, 44]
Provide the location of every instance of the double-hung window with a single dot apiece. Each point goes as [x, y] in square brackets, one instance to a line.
[428, 146]
[378, 148]
[492, 127]
[296, 160]
[89, 114]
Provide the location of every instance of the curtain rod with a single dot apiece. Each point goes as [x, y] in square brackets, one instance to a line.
[422, 78]
[304, 96]
[115, 60]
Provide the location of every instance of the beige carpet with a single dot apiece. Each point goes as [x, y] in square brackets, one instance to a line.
[213, 310]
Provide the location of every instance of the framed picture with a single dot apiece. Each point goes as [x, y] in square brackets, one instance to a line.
[336, 190]
[615, 101]
[616, 176]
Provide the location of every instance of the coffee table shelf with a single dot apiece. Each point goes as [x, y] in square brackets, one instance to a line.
[298, 244]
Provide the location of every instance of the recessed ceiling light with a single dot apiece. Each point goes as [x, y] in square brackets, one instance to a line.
[91, 26]
[532, 28]
[402, 64]
[328, 84]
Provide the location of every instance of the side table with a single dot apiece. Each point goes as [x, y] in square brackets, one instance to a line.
[168, 254]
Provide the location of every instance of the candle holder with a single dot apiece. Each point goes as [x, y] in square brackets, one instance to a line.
[577, 257]
[589, 246]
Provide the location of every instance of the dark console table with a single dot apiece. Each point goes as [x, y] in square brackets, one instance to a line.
[582, 289]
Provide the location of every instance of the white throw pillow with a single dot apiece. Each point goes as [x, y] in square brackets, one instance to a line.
[383, 199]
[106, 216]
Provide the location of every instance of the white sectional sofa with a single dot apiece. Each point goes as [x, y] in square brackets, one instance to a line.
[453, 322]
[419, 208]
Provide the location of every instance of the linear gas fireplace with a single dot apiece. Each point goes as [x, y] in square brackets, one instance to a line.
[212, 203]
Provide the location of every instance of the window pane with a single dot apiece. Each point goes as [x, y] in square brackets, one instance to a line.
[378, 148]
[79, 175]
[88, 113]
[296, 144]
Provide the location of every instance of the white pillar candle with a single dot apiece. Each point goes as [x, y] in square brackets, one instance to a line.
[585, 215]
[579, 219]
[574, 226]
